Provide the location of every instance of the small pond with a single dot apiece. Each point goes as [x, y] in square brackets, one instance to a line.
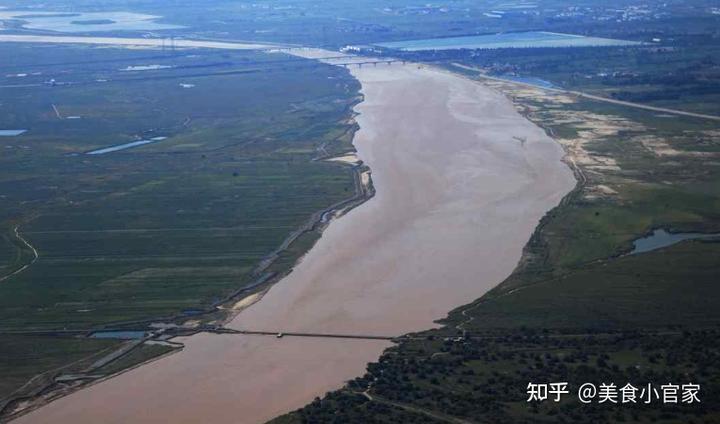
[11, 133]
[661, 238]
[120, 334]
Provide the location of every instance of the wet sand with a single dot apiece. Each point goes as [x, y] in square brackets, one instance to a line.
[457, 199]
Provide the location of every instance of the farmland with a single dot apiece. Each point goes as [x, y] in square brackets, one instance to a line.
[159, 230]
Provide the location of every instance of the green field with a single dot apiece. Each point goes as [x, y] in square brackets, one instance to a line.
[26, 356]
[166, 229]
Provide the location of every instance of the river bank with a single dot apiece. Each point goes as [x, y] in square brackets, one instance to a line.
[461, 182]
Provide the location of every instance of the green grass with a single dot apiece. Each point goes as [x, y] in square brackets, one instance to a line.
[166, 229]
[665, 288]
[136, 356]
[609, 228]
[25, 356]
[160, 229]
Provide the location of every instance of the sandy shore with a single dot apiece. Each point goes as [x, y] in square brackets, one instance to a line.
[457, 199]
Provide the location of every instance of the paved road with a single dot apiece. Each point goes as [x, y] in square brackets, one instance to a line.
[598, 98]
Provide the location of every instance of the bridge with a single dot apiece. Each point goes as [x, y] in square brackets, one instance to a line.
[373, 62]
[280, 334]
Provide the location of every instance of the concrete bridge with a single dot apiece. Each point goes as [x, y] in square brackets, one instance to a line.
[280, 334]
[371, 62]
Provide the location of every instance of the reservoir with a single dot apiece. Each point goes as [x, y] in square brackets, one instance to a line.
[530, 39]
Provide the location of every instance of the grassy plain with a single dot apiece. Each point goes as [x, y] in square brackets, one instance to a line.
[25, 356]
[165, 229]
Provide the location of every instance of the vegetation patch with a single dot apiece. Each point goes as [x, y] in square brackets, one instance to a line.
[161, 231]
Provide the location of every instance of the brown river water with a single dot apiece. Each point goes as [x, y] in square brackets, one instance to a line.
[457, 199]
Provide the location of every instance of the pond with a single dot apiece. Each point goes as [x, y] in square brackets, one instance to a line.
[121, 334]
[11, 133]
[661, 238]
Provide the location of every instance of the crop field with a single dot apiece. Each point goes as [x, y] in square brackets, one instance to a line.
[25, 356]
[168, 228]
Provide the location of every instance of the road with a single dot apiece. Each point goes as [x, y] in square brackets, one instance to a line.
[594, 97]
[414, 409]
[32, 261]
